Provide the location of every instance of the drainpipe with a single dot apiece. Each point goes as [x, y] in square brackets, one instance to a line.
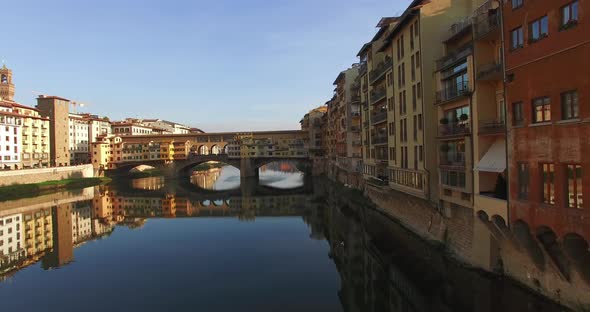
[504, 80]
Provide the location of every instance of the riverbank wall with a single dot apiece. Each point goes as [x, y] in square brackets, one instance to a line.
[553, 271]
[29, 176]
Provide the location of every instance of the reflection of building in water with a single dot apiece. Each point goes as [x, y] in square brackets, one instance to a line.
[11, 246]
[38, 231]
[63, 245]
[206, 179]
[81, 221]
[283, 166]
[151, 183]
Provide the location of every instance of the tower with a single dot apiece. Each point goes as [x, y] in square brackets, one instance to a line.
[6, 85]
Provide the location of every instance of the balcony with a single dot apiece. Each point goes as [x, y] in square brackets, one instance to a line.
[355, 129]
[453, 92]
[452, 159]
[355, 114]
[366, 124]
[381, 139]
[380, 70]
[487, 26]
[491, 71]
[379, 117]
[458, 29]
[454, 130]
[355, 99]
[454, 57]
[356, 143]
[363, 68]
[489, 127]
[378, 95]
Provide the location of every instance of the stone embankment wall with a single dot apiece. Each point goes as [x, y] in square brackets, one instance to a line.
[493, 248]
[553, 271]
[28, 176]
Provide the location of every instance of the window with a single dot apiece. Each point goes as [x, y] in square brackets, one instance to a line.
[415, 128]
[413, 71]
[516, 38]
[548, 178]
[539, 29]
[421, 153]
[574, 186]
[523, 181]
[416, 29]
[542, 109]
[420, 121]
[569, 105]
[569, 15]
[419, 89]
[412, 37]
[414, 100]
[517, 114]
[517, 4]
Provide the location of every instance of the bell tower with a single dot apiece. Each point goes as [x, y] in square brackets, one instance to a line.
[6, 85]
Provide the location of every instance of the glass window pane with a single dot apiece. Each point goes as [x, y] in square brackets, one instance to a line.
[575, 11]
[579, 186]
[565, 12]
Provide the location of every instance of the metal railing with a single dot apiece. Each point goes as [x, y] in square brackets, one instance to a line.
[452, 92]
[491, 126]
[380, 69]
[490, 70]
[379, 140]
[454, 56]
[379, 117]
[486, 25]
[453, 159]
[457, 28]
[454, 129]
[378, 95]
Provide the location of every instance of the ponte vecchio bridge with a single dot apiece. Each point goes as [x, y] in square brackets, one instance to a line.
[177, 154]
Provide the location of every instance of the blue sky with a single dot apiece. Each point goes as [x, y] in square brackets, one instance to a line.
[219, 65]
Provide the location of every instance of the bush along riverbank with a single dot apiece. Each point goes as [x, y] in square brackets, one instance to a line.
[18, 191]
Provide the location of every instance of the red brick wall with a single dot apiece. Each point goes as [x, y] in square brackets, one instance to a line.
[558, 63]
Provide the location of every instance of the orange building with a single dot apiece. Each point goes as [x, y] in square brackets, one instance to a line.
[547, 57]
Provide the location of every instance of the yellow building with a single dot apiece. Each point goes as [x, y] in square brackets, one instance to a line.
[35, 152]
[400, 119]
[470, 104]
[38, 231]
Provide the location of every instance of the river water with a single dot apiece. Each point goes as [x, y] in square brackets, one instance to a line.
[220, 244]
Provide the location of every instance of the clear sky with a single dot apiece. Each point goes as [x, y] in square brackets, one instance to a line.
[219, 65]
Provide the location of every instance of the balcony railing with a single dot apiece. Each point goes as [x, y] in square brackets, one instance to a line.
[355, 129]
[355, 99]
[380, 69]
[454, 129]
[491, 71]
[378, 95]
[452, 92]
[357, 143]
[366, 124]
[491, 127]
[487, 25]
[355, 114]
[379, 117]
[459, 28]
[452, 159]
[379, 140]
[453, 57]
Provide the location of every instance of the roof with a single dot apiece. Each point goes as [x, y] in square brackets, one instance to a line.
[402, 20]
[52, 97]
[364, 48]
[13, 104]
[341, 76]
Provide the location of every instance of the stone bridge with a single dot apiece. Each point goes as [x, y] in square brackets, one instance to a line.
[176, 154]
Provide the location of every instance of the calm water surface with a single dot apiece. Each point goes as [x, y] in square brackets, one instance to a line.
[155, 245]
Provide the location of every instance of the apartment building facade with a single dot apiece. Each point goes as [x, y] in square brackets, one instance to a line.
[347, 122]
[547, 47]
[10, 138]
[56, 109]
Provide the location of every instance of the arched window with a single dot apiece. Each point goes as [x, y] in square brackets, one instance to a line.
[4, 79]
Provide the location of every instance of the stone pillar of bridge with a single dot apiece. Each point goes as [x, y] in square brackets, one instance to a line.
[169, 170]
[248, 168]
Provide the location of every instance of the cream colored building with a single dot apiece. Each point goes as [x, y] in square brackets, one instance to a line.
[400, 122]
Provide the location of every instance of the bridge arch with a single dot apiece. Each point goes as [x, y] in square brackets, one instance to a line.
[576, 248]
[548, 240]
[215, 150]
[525, 239]
[203, 150]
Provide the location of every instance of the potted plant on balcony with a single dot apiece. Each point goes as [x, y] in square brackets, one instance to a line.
[464, 117]
[444, 121]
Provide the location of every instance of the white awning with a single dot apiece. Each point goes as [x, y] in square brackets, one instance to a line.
[495, 158]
